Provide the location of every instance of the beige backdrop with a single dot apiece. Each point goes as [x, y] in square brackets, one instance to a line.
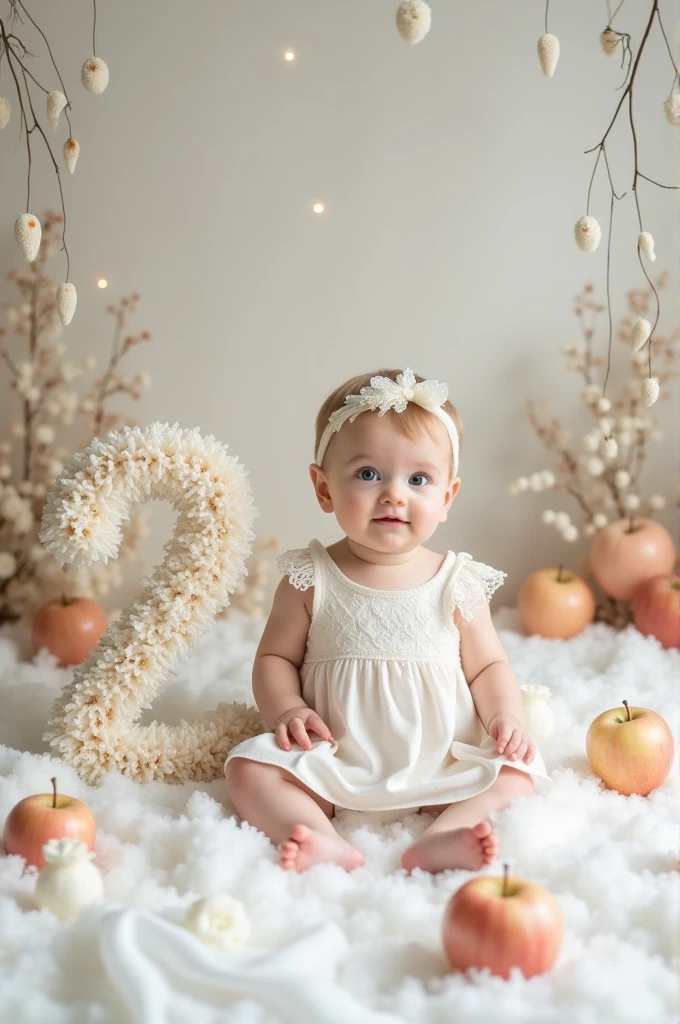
[453, 173]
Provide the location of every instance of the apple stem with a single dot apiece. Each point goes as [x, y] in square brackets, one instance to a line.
[559, 572]
[64, 600]
[54, 789]
[506, 868]
[625, 704]
[631, 524]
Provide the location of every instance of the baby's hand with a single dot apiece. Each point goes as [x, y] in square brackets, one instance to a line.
[511, 738]
[297, 724]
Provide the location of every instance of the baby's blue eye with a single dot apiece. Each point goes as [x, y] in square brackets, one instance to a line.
[366, 469]
[424, 477]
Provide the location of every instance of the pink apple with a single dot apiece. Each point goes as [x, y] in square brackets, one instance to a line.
[630, 749]
[45, 816]
[628, 552]
[656, 609]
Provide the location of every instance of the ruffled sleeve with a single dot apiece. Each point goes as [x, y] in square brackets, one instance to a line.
[297, 564]
[474, 585]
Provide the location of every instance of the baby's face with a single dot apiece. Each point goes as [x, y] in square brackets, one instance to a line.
[388, 493]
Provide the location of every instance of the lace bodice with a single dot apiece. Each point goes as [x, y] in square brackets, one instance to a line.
[353, 621]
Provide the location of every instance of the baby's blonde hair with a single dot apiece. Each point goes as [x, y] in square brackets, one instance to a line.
[412, 422]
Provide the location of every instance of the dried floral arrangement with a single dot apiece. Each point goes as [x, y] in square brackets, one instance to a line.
[49, 407]
[602, 470]
[94, 78]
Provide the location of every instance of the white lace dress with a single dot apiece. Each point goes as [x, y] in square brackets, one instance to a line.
[382, 668]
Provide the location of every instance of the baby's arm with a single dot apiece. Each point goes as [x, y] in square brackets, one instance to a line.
[276, 671]
[493, 685]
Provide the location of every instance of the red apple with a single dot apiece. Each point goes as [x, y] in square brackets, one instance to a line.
[656, 609]
[502, 923]
[630, 749]
[628, 552]
[555, 603]
[45, 816]
[69, 628]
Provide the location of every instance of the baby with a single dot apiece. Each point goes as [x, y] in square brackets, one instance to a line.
[379, 670]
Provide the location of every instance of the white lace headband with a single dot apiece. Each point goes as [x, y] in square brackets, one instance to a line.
[384, 394]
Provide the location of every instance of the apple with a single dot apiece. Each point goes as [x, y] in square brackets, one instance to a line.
[69, 628]
[555, 603]
[501, 923]
[630, 749]
[656, 609]
[629, 551]
[45, 816]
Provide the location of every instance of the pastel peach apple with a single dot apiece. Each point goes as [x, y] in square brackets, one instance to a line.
[627, 552]
[555, 603]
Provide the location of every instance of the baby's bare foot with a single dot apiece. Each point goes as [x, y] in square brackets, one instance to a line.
[306, 847]
[469, 848]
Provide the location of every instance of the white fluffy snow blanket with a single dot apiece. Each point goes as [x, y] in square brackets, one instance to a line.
[374, 934]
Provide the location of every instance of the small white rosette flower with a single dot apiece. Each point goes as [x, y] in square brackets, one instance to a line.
[66, 302]
[219, 921]
[71, 154]
[548, 47]
[94, 75]
[414, 19]
[28, 232]
[56, 101]
[587, 233]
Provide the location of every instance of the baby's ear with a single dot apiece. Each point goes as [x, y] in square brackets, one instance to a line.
[323, 495]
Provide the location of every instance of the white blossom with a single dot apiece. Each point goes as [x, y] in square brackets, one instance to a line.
[56, 101]
[591, 394]
[536, 482]
[595, 466]
[94, 75]
[548, 517]
[589, 530]
[570, 533]
[587, 233]
[591, 442]
[414, 20]
[522, 483]
[622, 478]
[646, 245]
[656, 435]
[600, 520]
[606, 425]
[657, 502]
[5, 112]
[562, 520]
[631, 502]
[650, 390]
[548, 478]
[69, 372]
[32, 395]
[28, 232]
[548, 47]
[8, 564]
[603, 404]
[45, 434]
[671, 109]
[610, 448]
[5, 471]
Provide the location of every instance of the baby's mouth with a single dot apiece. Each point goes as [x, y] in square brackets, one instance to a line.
[390, 519]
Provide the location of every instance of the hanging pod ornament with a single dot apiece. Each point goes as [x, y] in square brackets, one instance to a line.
[28, 233]
[671, 109]
[610, 41]
[71, 154]
[56, 101]
[5, 112]
[67, 300]
[646, 245]
[548, 47]
[414, 18]
[650, 390]
[640, 334]
[94, 75]
[587, 233]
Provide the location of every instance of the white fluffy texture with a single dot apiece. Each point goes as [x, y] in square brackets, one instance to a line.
[5, 112]
[587, 233]
[610, 41]
[611, 861]
[640, 333]
[94, 75]
[650, 390]
[548, 47]
[71, 154]
[94, 724]
[56, 101]
[646, 244]
[414, 20]
[28, 232]
[67, 299]
[671, 109]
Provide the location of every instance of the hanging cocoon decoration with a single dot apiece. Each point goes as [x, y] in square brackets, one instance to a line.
[414, 19]
[610, 41]
[587, 233]
[94, 724]
[66, 302]
[5, 112]
[71, 154]
[56, 101]
[548, 47]
[28, 233]
[94, 75]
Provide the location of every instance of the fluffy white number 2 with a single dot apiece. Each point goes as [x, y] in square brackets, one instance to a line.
[94, 723]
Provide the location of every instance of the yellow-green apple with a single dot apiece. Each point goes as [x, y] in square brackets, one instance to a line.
[555, 603]
[69, 627]
[630, 749]
[656, 609]
[45, 816]
[627, 552]
[501, 923]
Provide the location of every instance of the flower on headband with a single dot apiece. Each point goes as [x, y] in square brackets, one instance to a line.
[384, 394]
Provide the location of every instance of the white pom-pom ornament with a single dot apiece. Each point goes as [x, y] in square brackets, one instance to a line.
[66, 302]
[69, 880]
[671, 109]
[646, 245]
[5, 111]
[650, 390]
[640, 333]
[71, 154]
[548, 47]
[28, 233]
[610, 448]
[587, 233]
[56, 101]
[414, 18]
[94, 75]
[610, 41]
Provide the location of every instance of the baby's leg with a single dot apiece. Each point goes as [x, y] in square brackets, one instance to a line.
[294, 818]
[461, 836]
